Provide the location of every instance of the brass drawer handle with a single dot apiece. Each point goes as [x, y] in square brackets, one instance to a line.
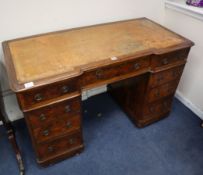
[46, 132]
[165, 61]
[50, 149]
[136, 66]
[42, 117]
[99, 73]
[69, 124]
[38, 97]
[67, 108]
[71, 141]
[65, 89]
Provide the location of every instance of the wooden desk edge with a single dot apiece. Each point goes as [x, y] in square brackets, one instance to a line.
[17, 87]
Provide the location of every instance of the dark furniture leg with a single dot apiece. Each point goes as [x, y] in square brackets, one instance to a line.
[11, 135]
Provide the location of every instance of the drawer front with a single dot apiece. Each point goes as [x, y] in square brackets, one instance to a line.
[43, 116]
[59, 146]
[113, 71]
[162, 91]
[171, 58]
[157, 108]
[57, 128]
[160, 78]
[48, 92]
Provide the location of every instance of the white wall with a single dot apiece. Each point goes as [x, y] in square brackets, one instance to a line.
[190, 90]
[27, 17]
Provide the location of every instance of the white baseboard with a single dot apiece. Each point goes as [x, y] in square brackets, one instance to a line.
[189, 104]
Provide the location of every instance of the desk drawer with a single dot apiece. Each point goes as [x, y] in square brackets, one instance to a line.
[162, 91]
[116, 70]
[45, 115]
[57, 128]
[59, 146]
[48, 92]
[157, 108]
[160, 78]
[170, 58]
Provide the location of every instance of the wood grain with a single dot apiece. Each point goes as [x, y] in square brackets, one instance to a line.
[38, 57]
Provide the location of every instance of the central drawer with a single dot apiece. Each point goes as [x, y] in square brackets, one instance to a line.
[116, 70]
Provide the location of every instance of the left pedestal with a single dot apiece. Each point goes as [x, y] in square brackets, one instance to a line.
[56, 129]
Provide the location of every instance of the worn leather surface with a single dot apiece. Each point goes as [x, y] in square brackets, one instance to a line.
[48, 55]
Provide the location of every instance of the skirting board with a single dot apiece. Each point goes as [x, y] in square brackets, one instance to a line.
[189, 104]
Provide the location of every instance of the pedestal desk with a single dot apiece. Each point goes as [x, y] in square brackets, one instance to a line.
[139, 60]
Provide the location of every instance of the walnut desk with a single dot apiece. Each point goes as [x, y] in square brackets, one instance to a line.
[141, 62]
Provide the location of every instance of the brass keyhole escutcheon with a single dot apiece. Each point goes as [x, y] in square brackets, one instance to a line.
[42, 117]
[46, 132]
[165, 61]
[71, 141]
[65, 89]
[67, 108]
[69, 124]
[38, 97]
[136, 66]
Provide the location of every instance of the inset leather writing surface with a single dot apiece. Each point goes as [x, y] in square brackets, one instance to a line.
[43, 56]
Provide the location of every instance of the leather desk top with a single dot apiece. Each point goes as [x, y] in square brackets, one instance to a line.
[69, 52]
